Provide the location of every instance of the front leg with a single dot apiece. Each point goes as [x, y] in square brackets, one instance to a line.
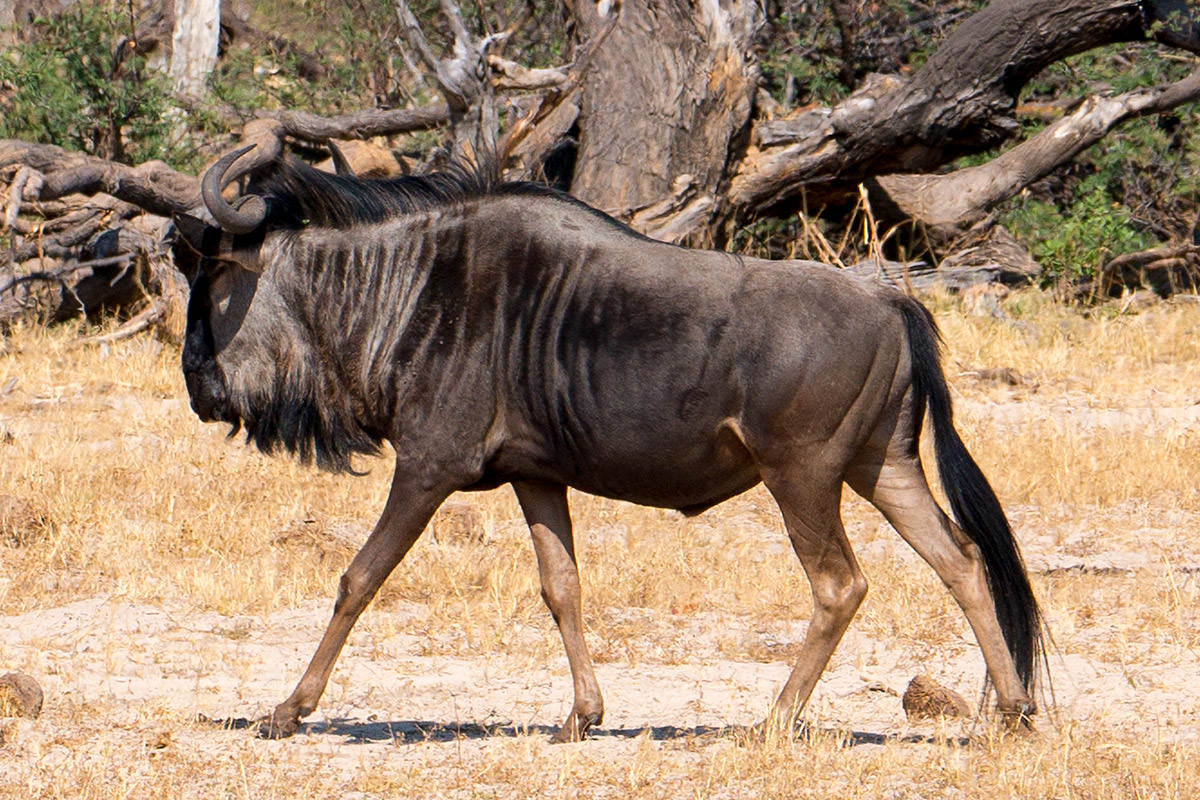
[545, 508]
[409, 506]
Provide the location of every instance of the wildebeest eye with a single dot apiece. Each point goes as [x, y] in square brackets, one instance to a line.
[220, 287]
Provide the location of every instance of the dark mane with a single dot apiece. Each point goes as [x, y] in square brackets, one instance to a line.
[299, 195]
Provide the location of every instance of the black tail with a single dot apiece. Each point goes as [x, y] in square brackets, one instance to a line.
[973, 502]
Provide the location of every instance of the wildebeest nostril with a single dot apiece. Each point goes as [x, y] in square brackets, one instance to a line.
[206, 398]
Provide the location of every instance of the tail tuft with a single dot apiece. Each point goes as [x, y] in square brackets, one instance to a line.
[973, 502]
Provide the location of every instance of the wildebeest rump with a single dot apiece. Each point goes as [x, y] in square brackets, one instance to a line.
[504, 333]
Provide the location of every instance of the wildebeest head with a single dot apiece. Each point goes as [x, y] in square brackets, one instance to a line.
[247, 359]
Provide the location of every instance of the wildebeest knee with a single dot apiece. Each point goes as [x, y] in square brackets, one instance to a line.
[354, 591]
[560, 591]
[840, 595]
[966, 571]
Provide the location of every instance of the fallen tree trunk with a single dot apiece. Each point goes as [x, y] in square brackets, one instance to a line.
[960, 102]
[966, 194]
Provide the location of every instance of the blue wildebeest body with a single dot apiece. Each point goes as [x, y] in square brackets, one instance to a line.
[506, 334]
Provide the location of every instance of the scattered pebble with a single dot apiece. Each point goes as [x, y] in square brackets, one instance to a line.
[925, 698]
[20, 696]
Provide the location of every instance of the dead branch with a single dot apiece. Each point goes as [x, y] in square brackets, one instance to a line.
[1167, 270]
[26, 184]
[524, 147]
[58, 273]
[461, 79]
[961, 101]
[511, 75]
[1157, 254]
[361, 124]
[967, 194]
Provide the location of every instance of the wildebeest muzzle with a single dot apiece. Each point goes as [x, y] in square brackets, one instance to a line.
[203, 376]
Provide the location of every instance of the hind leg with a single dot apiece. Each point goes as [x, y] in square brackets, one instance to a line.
[898, 488]
[812, 516]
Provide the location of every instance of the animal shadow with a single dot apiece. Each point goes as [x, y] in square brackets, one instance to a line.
[357, 731]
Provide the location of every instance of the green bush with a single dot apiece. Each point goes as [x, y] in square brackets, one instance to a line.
[1136, 188]
[71, 89]
[1071, 243]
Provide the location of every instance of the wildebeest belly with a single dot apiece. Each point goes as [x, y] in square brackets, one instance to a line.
[639, 461]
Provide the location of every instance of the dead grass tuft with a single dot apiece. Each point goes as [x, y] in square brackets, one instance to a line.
[22, 523]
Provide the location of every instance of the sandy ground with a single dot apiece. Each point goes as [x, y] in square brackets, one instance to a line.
[143, 664]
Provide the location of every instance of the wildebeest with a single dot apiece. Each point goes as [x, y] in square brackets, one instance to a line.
[505, 333]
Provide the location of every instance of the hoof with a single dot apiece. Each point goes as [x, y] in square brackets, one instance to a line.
[773, 729]
[1020, 718]
[575, 728]
[278, 725]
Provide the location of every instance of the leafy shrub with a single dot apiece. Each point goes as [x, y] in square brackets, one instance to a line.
[1071, 243]
[71, 89]
[1132, 190]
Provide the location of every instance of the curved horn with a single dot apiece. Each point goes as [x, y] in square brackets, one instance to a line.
[340, 165]
[246, 213]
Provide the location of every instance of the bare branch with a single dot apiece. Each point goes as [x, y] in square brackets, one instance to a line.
[410, 28]
[461, 79]
[26, 184]
[362, 124]
[511, 75]
[457, 26]
[144, 319]
[968, 193]
[59, 272]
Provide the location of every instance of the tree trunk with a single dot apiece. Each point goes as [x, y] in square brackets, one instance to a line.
[960, 102]
[666, 105]
[8, 22]
[194, 45]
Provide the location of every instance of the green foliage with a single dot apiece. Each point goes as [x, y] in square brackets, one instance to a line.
[1136, 188]
[1073, 242]
[72, 90]
[804, 52]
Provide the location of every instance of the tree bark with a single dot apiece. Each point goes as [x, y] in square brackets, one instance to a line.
[667, 99]
[960, 102]
[194, 45]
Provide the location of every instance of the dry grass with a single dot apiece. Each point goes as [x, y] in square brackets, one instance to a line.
[115, 500]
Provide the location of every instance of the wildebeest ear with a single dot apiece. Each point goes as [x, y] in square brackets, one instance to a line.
[193, 240]
[191, 230]
[196, 240]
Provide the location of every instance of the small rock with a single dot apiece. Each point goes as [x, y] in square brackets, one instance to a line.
[926, 699]
[20, 696]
